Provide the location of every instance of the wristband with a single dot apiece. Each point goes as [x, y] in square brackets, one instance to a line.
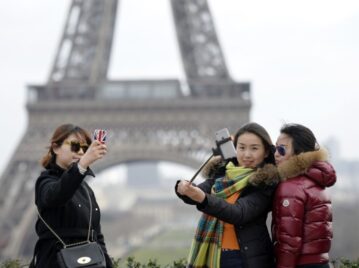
[81, 169]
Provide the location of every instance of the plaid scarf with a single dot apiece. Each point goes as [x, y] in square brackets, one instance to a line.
[207, 243]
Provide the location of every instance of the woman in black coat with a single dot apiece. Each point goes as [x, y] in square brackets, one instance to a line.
[62, 195]
[235, 201]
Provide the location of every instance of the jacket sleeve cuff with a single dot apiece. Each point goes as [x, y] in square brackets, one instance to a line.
[203, 204]
[84, 171]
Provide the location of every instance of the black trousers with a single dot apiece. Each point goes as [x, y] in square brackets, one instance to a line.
[231, 259]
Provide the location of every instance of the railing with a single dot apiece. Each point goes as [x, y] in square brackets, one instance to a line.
[139, 89]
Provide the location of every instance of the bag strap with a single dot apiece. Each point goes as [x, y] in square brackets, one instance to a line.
[59, 238]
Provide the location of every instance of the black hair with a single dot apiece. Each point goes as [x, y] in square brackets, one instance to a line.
[303, 139]
[259, 131]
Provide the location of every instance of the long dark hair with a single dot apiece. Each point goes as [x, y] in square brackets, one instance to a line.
[259, 131]
[303, 139]
[60, 134]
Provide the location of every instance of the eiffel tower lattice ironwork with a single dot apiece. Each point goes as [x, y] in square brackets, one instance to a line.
[148, 119]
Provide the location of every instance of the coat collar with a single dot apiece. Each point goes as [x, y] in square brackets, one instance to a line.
[211, 169]
[56, 169]
[299, 164]
[312, 164]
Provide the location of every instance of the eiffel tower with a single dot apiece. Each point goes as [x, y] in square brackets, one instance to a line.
[149, 120]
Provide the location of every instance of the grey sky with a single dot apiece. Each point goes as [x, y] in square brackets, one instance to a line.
[301, 57]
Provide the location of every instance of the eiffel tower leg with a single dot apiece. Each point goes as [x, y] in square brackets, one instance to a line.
[151, 119]
[17, 200]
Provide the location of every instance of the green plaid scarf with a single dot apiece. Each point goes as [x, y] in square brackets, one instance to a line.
[207, 243]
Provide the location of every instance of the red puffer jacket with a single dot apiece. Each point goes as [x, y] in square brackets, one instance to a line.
[302, 216]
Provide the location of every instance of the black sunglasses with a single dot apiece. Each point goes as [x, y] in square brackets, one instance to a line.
[76, 146]
[281, 150]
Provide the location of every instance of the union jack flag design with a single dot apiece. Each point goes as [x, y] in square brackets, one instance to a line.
[100, 135]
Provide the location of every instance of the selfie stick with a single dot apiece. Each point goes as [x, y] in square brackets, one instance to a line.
[216, 151]
[199, 170]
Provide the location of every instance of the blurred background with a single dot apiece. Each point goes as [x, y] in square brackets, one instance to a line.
[300, 57]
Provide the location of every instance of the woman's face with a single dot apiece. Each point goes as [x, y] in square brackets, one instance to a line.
[65, 154]
[250, 150]
[284, 148]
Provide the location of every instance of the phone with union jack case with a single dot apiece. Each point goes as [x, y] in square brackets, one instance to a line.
[100, 135]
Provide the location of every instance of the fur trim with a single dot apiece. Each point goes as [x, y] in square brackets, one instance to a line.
[299, 164]
[294, 166]
[268, 175]
[212, 166]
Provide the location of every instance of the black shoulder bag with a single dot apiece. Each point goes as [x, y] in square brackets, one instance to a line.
[81, 254]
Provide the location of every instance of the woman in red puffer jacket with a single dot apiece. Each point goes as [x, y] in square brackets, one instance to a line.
[302, 212]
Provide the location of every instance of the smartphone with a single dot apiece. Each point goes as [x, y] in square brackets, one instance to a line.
[100, 135]
[225, 144]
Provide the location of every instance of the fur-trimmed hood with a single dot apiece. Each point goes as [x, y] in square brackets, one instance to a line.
[214, 167]
[311, 164]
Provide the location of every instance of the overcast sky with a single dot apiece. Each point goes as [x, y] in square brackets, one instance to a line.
[301, 57]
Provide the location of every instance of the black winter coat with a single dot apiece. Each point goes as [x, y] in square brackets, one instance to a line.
[62, 200]
[248, 215]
